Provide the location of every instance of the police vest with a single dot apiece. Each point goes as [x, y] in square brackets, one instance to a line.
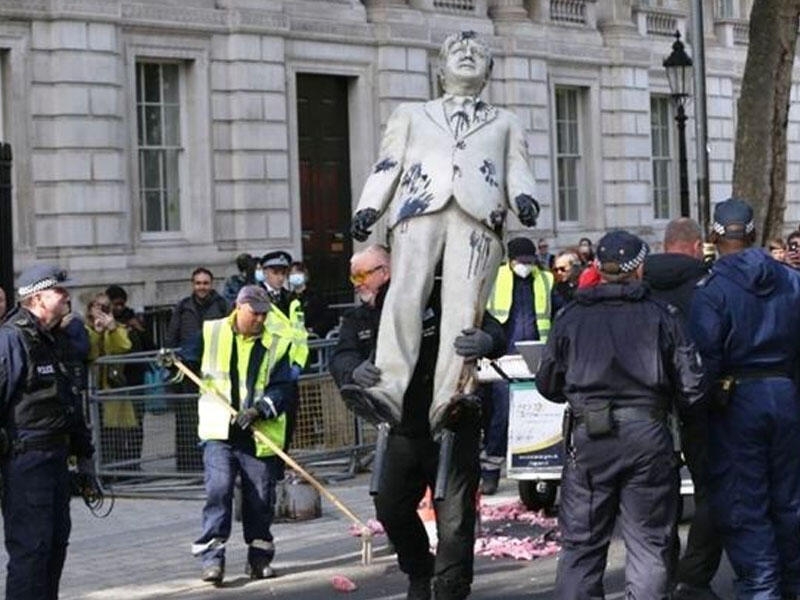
[292, 328]
[499, 304]
[213, 418]
[39, 405]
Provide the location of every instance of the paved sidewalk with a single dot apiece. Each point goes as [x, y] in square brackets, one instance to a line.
[142, 551]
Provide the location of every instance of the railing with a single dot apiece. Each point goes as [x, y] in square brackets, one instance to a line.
[455, 6]
[658, 23]
[145, 430]
[568, 11]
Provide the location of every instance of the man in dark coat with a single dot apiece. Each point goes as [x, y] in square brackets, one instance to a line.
[412, 454]
[673, 277]
[620, 359]
[184, 329]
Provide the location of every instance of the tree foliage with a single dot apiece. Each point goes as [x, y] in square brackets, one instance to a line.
[759, 170]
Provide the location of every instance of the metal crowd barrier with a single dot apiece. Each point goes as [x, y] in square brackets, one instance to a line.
[143, 420]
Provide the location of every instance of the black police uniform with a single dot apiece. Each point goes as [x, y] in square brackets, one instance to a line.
[616, 348]
[412, 457]
[42, 418]
[672, 278]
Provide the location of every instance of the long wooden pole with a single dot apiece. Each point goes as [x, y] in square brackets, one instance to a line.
[366, 533]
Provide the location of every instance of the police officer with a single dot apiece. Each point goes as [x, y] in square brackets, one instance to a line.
[745, 321]
[286, 317]
[42, 424]
[244, 360]
[619, 359]
[520, 300]
[412, 455]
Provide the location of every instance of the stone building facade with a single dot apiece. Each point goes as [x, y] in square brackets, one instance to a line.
[151, 136]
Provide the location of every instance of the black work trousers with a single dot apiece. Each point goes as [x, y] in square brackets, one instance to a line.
[700, 560]
[631, 473]
[411, 466]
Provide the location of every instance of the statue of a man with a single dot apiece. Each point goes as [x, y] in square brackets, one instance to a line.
[448, 172]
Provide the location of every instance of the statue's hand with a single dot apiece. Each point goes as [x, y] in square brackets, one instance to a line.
[362, 221]
[527, 210]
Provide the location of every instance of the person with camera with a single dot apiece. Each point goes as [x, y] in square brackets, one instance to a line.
[745, 322]
[792, 255]
[42, 424]
[620, 359]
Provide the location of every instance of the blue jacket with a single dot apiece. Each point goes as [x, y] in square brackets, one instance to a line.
[745, 315]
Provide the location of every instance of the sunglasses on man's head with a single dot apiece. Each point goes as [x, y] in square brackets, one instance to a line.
[360, 277]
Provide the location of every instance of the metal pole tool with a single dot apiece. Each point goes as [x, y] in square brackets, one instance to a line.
[169, 358]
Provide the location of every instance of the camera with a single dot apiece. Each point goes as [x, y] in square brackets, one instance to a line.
[794, 246]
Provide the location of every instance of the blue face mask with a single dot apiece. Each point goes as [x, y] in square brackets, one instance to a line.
[296, 279]
[260, 276]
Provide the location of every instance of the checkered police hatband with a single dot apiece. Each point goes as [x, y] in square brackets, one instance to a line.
[719, 228]
[39, 286]
[632, 264]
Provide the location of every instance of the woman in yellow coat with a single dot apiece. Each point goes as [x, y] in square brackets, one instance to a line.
[120, 435]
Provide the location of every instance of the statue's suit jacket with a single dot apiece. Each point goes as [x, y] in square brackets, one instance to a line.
[422, 164]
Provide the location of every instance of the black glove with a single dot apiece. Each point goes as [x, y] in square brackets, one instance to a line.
[362, 221]
[527, 210]
[473, 343]
[366, 374]
[247, 416]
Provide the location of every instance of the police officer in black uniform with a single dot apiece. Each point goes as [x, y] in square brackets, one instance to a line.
[619, 358]
[412, 454]
[42, 425]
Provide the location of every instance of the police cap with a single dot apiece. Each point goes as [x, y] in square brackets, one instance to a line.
[41, 277]
[276, 259]
[621, 252]
[733, 218]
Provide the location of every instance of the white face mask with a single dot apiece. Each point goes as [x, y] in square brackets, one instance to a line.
[522, 270]
[259, 274]
[297, 279]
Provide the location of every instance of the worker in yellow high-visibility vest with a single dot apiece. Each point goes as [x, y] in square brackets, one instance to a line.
[520, 300]
[244, 360]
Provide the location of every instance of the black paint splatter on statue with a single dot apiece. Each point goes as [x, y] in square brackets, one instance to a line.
[415, 186]
[385, 165]
[489, 172]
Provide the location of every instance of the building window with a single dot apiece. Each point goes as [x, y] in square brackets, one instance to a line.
[660, 128]
[158, 121]
[568, 152]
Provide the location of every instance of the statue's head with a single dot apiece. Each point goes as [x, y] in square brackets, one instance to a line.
[465, 64]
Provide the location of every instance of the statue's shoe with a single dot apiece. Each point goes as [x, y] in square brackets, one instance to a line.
[461, 407]
[369, 405]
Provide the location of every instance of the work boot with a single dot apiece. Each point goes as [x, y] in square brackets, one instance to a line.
[419, 588]
[687, 591]
[259, 570]
[489, 481]
[213, 574]
[450, 589]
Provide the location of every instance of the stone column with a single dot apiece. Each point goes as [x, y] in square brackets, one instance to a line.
[507, 10]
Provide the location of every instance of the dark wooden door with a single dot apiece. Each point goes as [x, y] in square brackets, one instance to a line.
[325, 183]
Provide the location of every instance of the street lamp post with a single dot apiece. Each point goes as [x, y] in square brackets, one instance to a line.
[679, 74]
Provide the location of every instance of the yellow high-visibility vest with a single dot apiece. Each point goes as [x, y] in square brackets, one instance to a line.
[213, 418]
[292, 328]
[500, 299]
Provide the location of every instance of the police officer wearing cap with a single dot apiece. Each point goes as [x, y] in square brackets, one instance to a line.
[42, 425]
[745, 321]
[618, 358]
[286, 316]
